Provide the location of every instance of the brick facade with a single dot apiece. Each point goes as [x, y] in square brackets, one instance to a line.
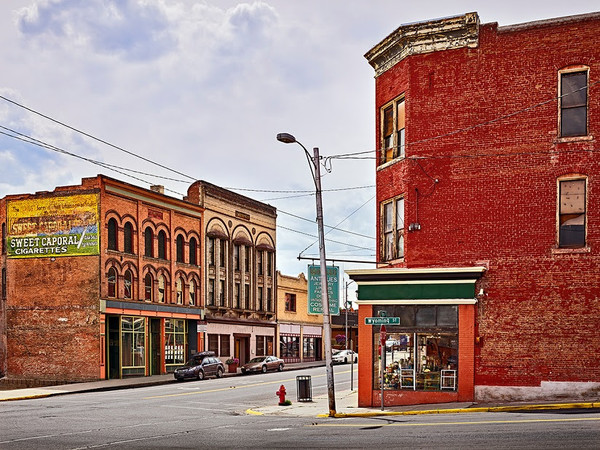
[483, 159]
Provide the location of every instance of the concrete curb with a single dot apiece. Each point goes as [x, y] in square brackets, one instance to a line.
[554, 406]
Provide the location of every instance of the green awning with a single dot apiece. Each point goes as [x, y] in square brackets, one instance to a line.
[417, 286]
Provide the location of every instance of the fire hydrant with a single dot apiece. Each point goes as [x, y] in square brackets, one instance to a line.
[281, 394]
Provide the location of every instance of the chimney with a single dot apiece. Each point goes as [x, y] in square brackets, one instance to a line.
[158, 188]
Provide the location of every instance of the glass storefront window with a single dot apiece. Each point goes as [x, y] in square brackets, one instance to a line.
[309, 347]
[289, 347]
[175, 342]
[133, 338]
[422, 352]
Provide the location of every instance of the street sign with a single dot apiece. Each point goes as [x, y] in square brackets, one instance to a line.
[315, 305]
[382, 320]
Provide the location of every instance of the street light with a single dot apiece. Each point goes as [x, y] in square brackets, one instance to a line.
[314, 164]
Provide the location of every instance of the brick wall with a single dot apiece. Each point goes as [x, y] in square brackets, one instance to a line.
[495, 201]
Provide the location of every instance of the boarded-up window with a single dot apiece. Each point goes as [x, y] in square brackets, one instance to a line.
[225, 347]
[573, 104]
[128, 238]
[572, 214]
[112, 234]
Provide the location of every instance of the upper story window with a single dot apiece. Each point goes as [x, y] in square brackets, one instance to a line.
[290, 302]
[269, 264]
[161, 289]
[392, 226]
[180, 252]
[128, 284]
[573, 103]
[247, 251]
[112, 282]
[221, 292]
[222, 252]
[192, 292]
[128, 238]
[259, 262]
[392, 130]
[210, 251]
[148, 286]
[3, 284]
[112, 234]
[572, 213]
[179, 290]
[210, 294]
[148, 242]
[193, 249]
[162, 244]
[236, 257]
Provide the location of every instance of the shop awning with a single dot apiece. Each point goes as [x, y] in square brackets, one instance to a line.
[436, 285]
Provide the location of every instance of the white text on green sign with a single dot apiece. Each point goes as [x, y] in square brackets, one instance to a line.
[314, 290]
[382, 320]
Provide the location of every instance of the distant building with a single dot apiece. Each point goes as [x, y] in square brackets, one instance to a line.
[486, 173]
[110, 280]
[300, 334]
[99, 280]
[239, 274]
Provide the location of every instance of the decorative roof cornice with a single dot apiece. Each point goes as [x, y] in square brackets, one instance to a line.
[424, 37]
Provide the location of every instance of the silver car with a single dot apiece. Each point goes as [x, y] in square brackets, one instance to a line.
[262, 364]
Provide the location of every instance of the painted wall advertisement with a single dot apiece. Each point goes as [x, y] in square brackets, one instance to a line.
[314, 290]
[54, 226]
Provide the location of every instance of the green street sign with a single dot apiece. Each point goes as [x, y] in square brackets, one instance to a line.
[314, 290]
[382, 320]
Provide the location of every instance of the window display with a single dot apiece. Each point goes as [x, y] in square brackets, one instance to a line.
[421, 353]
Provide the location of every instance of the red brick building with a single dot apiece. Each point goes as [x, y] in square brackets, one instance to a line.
[487, 170]
[99, 280]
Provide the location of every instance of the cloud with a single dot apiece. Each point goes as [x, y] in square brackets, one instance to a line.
[131, 29]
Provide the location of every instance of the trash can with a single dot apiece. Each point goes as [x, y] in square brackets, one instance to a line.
[304, 388]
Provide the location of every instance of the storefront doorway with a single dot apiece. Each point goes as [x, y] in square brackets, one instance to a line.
[241, 348]
[114, 358]
[155, 347]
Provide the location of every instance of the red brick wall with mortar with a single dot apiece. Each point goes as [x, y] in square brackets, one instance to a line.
[495, 201]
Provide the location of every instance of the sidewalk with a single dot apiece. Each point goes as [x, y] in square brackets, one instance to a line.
[346, 400]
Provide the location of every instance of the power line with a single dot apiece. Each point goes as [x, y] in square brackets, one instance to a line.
[96, 138]
[328, 226]
[329, 240]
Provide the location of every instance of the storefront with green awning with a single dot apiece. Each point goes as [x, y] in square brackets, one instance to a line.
[427, 354]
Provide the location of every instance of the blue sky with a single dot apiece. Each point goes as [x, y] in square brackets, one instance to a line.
[204, 87]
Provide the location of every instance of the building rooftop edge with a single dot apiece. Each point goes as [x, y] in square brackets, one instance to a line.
[549, 22]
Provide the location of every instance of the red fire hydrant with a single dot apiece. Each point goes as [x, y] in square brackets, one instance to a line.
[281, 394]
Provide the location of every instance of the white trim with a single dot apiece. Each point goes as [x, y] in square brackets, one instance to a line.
[426, 270]
[431, 301]
[370, 283]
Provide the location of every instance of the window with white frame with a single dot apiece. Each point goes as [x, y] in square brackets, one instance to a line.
[572, 213]
[573, 103]
[392, 130]
[392, 226]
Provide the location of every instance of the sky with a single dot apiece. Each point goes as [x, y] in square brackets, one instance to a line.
[200, 89]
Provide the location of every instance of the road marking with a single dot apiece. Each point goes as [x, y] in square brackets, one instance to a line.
[279, 429]
[426, 424]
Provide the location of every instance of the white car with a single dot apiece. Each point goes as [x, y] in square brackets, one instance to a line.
[344, 356]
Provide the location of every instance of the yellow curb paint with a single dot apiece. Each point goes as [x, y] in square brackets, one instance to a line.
[254, 413]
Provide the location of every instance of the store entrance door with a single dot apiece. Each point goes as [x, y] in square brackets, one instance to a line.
[242, 348]
[114, 358]
[155, 347]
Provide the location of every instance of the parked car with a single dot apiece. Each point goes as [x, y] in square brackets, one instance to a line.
[200, 366]
[344, 356]
[262, 364]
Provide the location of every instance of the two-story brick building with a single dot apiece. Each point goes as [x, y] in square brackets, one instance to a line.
[99, 280]
[486, 169]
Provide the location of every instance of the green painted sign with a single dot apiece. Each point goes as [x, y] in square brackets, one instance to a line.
[382, 320]
[314, 290]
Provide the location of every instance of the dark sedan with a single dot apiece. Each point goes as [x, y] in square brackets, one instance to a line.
[200, 366]
[262, 364]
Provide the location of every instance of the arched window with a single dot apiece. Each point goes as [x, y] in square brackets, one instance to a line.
[112, 282]
[148, 282]
[128, 284]
[128, 238]
[161, 289]
[162, 244]
[112, 234]
[148, 242]
[179, 287]
[192, 292]
[193, 251]
[179, 244]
